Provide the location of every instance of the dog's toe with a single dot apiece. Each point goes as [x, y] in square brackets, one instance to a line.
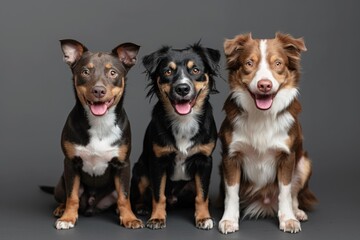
[59, 224]
[59, 211]
[133, 223]
[291, 226]
[228, 226]
[156, 223]
[301, 215]
[206, 223]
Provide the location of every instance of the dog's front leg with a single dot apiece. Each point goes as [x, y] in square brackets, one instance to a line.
[287, 219]
[158, 214]
[72, 186]
[203, 219]
[121, 165]
[231, 170]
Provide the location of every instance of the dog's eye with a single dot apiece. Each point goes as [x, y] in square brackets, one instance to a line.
[195, 70]
[278, 63]
[249, 63]
[85, 72]
[113, 74]
[168, 72]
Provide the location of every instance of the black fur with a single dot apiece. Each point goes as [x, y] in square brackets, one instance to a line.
[161, 130]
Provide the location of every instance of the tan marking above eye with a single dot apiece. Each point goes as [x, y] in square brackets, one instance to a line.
[90, 65]
[108, 65]
[190, 64]
[172, 65]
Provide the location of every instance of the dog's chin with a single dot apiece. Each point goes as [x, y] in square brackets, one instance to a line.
[100, 108]
[183, 107]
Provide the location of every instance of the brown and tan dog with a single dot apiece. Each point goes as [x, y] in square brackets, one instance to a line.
[265, 169]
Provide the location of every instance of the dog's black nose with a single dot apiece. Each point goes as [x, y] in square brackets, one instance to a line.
[182, 89]
[98, 91]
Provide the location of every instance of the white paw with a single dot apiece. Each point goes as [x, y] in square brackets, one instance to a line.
[228, 226]
[301, 215]
[63, 225]
[291, 226]
[205, 224]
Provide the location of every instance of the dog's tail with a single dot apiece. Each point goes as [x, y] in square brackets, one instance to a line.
[48, 189]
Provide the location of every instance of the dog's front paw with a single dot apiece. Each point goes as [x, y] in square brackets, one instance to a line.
[301, 215]
[291, 226]
[156, 223]
[59, 211]
[64, 224]
[132, 223]
[205, 223]
[228, 226]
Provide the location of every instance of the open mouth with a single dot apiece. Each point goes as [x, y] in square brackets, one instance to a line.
[100, 108]
[263, 101]
[183, 107]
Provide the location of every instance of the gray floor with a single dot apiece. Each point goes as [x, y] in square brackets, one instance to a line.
[36, 96]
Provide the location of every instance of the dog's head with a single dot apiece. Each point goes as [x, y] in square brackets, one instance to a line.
[182, 79]
[265, 70]
[99, 78]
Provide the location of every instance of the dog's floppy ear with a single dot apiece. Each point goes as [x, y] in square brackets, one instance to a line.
[72, 50]
[210, 56]
[152, 60]
[290, 43]
[127, 53]
[293, 48]
[233, 48]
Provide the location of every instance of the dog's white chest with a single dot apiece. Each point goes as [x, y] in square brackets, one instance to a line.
[184, 128]
[100, 150]
[259, 138]
[260, 169]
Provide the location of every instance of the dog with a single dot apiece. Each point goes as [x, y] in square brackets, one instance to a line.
[264, 166]
[176, 162]
[96, 138]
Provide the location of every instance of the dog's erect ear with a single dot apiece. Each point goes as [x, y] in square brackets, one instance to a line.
[127, 53]
[72, 50]
[152, 60]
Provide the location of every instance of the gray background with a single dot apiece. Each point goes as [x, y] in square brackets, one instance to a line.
[36, 96]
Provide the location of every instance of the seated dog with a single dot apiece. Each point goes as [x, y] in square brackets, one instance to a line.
[176, 161]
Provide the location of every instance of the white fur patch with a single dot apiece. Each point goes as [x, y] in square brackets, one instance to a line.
[263, 71]
[99, 151]
[286, 213]
[63, 225]
[259, 168]
[259, 130]
[183, 128]
[230, 219]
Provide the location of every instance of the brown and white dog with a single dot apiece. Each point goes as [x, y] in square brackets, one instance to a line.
[264, 166]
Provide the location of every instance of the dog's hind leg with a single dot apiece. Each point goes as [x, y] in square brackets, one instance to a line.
[301, 195]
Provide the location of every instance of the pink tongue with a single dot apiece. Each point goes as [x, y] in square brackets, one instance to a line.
[183, 108]
[264, 103]
[98, 109]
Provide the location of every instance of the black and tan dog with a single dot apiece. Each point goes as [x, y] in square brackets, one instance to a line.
[96, 136]
[176, 161]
